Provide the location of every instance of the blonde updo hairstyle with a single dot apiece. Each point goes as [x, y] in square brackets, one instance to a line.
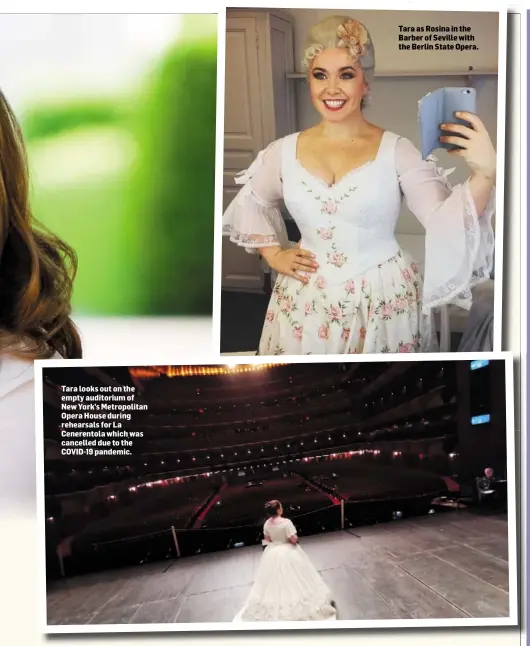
[338, 32]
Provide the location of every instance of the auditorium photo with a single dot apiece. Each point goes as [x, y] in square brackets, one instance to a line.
[362, 183]
[260, 495]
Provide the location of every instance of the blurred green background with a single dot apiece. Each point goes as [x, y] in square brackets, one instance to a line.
[127, 179]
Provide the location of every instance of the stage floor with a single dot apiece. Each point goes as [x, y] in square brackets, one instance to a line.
[448, 565]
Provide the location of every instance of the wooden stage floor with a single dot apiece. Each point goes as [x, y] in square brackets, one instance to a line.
[447, 565]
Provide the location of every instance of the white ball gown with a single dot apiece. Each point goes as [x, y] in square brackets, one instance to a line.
[287, 586]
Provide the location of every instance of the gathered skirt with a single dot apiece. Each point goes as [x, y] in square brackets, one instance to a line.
[287, 588]
[379, 311]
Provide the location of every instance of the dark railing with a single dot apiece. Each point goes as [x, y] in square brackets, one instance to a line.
[171, 543]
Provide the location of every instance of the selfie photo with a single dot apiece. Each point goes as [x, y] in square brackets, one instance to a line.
[361, 159]
[197, 497]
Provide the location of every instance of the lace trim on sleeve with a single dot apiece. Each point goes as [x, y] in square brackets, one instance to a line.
[476, 252]
[456, 226]
[252, 223]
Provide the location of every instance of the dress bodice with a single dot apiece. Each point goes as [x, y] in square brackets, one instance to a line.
[279, 530]
[350, 225]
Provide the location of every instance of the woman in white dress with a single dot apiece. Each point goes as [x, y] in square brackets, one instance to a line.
[287, 586]
[36, 275]
[348, 287]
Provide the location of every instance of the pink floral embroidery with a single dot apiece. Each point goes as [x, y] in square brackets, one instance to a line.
[335, 313]
[297, 332]
[345, 334]
[350, 286]
[386, 310]
[308, 308]
[336, 258]
[323, 332]
[405, 347]
[362, 333]
[270, 316]
[329, 207]
[320, 282]
[325, 234]
[287, 304]
[406, 275]
[414, 268]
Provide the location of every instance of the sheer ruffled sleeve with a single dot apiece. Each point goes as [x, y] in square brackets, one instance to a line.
[253, 218]
[459, 242]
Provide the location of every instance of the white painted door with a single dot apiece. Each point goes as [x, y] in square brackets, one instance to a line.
[243, 139]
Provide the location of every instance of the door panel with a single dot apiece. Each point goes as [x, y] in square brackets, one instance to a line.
[243, 139]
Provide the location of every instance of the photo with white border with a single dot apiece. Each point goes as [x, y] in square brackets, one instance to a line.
[398, 475]
[265, 109]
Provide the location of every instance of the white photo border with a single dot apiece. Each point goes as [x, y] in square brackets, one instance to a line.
[511, 620]
[449, 7]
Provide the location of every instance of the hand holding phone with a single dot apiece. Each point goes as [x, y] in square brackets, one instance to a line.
[439, 107]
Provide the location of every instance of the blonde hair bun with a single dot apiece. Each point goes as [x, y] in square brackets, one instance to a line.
[341, 32]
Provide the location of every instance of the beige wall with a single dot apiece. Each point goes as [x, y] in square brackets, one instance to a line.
[384, 29]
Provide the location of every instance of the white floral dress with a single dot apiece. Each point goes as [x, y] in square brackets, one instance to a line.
[367, 295]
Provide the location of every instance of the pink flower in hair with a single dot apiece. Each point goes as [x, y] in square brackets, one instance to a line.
[354, 35]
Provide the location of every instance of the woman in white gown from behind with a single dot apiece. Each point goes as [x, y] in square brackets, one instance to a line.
[287, 586]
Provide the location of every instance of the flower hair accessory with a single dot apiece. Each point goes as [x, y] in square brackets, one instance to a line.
[353, 35]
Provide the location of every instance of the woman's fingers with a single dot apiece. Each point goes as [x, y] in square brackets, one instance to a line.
[475, 122]
[457, 128]
[306, 257]
[306, 262]
[305, 252]
[458, 153]
[455, 141]
[301, 267]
